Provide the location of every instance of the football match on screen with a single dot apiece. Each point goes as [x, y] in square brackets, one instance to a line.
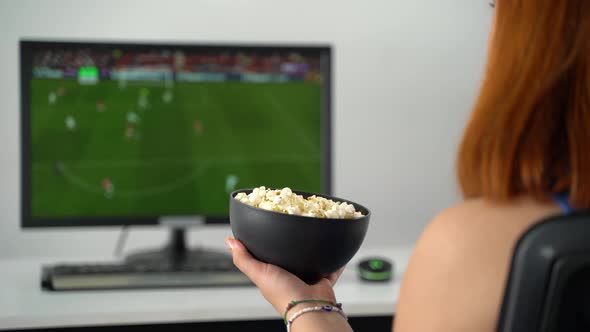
[121, 132]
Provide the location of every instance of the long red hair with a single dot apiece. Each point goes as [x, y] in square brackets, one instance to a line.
[529, 133]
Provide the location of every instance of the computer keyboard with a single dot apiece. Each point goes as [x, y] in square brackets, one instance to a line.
[127, 276]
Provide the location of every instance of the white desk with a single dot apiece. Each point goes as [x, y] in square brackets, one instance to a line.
[24, 305]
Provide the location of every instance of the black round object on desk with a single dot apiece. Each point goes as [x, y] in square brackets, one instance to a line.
[308, 247]
[375, 269]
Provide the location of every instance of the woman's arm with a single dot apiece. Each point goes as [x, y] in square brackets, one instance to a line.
[321, 322]
[280, 287]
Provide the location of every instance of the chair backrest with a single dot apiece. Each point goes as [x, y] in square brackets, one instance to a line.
[548, 287]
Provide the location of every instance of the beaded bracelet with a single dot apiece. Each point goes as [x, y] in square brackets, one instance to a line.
[294, 303]
[325, 308]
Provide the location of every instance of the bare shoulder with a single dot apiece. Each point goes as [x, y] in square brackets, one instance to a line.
[455, 278]
[481, 224]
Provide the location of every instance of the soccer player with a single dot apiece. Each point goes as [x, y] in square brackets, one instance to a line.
[230, 183]
[100, 106]
[130, 131]
[132, 117]
[167, 96]
[52, 98]
[143, 100]
[108, 187]
[198, 127]
[70, 123]
[61, 91]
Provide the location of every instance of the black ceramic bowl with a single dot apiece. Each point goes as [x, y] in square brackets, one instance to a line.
[305, 246]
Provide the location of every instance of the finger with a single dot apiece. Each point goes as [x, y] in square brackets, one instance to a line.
[251, 267]
[333, 277]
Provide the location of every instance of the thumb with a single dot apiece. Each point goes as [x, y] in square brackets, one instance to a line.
[250, 266]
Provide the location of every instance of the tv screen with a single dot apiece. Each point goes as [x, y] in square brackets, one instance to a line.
[124, 130]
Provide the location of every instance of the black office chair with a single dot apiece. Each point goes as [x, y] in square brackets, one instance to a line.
[548, 288]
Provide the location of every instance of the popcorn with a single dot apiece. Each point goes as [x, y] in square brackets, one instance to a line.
[285, 201]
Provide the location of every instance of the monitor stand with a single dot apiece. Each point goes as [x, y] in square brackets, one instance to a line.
[176, 256]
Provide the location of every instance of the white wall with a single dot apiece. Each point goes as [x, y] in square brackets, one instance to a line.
[407, 72]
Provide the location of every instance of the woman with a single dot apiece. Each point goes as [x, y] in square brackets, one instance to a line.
[527, 143]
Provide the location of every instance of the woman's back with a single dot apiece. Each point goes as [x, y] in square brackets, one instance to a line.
[526, 141]
[456, 277]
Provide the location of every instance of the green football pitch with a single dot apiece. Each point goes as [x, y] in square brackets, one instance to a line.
[149, 150]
